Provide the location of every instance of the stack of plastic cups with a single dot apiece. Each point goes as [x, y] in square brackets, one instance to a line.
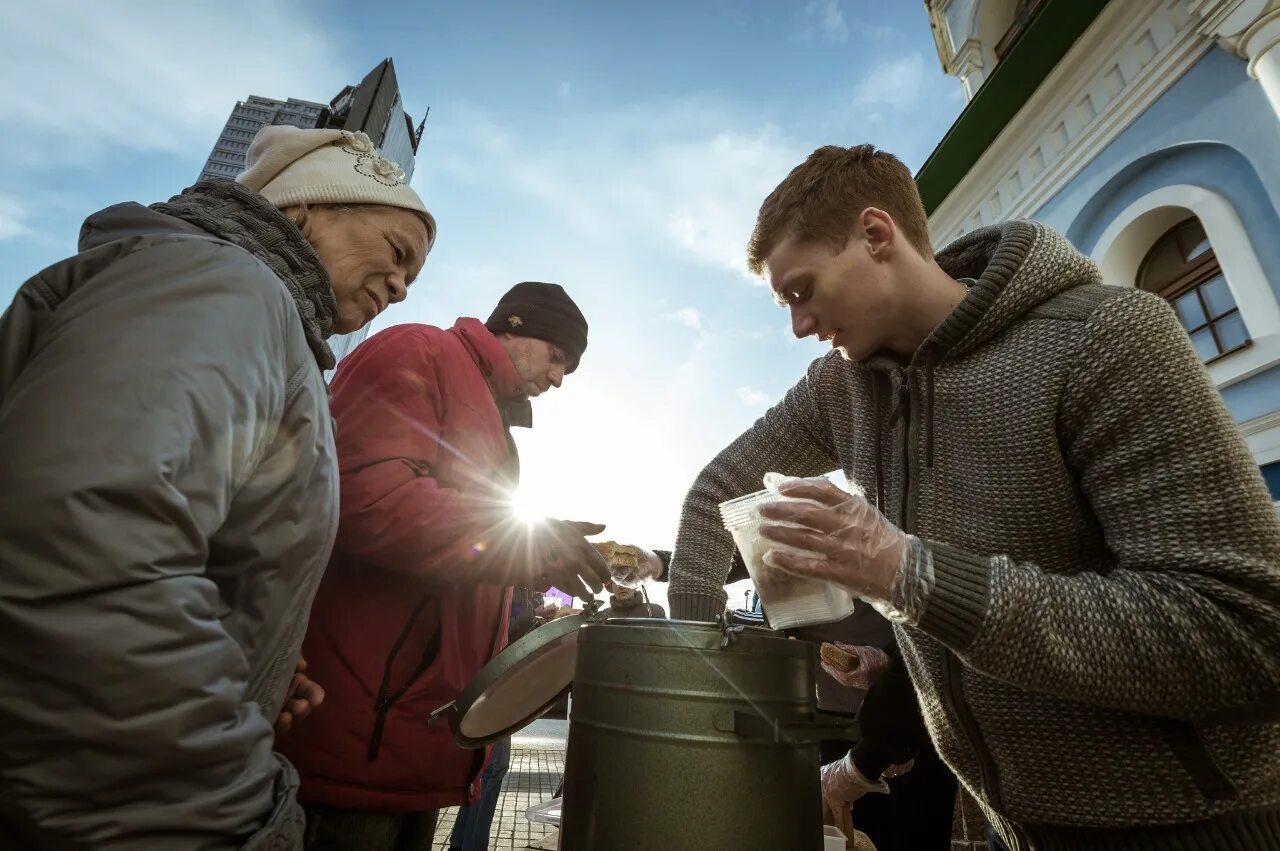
[789, 601]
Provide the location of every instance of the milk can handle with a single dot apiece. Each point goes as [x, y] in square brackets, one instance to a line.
[821, 727]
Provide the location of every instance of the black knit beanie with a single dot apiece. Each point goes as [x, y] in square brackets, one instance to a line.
[543, 312]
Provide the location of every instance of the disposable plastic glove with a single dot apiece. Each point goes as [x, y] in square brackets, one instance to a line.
[629, 566]
[899, 769]
[840, 537]
[871, 662]
[843, 783]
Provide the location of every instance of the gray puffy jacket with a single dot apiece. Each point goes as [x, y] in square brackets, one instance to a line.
[168, 502]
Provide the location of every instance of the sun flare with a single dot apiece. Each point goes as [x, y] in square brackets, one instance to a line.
[526, 509]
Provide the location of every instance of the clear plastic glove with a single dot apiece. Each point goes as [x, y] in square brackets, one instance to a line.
[839, 537]
[899, 769]
[843, 783]
[870, 662]
[629, 566]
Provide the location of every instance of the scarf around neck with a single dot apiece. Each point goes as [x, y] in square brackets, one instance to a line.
[244, 218]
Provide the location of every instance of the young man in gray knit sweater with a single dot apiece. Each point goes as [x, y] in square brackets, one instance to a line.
[1079, 554]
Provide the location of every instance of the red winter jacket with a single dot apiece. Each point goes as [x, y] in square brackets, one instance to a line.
[425, 460]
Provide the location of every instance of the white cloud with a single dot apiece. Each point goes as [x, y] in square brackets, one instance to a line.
[690, 317]
[12, 216]
[563, 90]
[704, 194]
[478, 150]
[895, 82]
[686, 175]
[89, 77]
[753, 397]
[822, 19]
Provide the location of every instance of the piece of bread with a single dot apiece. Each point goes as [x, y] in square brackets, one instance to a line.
[618, 555]
[841, 660]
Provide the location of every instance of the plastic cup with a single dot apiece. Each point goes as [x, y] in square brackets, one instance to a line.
[789, 601]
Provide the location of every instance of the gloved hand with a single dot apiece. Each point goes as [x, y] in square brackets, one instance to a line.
[842, 538]
[899, 769]
[842, 783]
[629, 566]
[871, 662]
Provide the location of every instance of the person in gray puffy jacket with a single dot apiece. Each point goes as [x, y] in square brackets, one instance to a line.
[169, 494]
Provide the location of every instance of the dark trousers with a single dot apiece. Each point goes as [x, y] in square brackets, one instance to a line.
[916, 814]
[471, 830]
[335, 829]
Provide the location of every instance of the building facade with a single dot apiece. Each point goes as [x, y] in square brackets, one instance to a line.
[228, 157]
[1148, 132]
[373, 106]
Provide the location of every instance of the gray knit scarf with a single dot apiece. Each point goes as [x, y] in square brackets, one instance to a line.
[244, 218]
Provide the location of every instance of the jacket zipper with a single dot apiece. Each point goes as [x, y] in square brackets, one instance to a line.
[952, 682]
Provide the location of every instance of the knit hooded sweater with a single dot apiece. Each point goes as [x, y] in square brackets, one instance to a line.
[1099, 658]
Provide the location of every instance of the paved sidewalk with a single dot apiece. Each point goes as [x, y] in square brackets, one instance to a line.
[537, 764]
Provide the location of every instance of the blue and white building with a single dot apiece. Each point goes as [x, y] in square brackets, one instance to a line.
[1147, 131]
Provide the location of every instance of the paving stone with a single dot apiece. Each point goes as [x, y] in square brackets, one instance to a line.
[535, 772]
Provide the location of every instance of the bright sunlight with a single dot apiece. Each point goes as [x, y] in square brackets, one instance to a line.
[526, 508]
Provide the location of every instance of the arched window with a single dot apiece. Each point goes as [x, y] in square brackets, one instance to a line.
[1182, 268]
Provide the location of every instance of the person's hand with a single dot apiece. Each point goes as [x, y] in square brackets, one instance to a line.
[869, 663]
[651, 565]
[583, 527]
[843, 783]
[899, 769]
[629, 566]
[569, 562]
[833, 536]
[304, 696]
[547, 554]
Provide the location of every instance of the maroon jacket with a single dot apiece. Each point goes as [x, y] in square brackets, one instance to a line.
[399, 625]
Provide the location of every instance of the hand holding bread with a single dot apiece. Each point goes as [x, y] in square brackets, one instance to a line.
[854, 666]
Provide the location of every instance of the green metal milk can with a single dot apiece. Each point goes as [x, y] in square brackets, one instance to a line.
[692, 736]
[683, 735]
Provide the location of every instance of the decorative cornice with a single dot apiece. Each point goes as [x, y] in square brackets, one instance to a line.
[967, 58]
[1224, 18]
[941, 32]
[1257, 425]
[1133, 53]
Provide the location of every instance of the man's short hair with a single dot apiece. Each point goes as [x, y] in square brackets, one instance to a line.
[821, 199]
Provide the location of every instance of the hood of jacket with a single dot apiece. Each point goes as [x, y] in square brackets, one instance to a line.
[1015, 267]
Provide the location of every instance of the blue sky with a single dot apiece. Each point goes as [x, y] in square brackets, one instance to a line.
[618, 148]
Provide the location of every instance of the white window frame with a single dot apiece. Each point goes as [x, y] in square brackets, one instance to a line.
[1133, 232]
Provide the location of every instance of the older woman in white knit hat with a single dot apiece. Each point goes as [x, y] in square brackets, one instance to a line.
[169, 493]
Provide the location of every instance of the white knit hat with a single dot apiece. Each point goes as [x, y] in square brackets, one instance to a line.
[288, 166]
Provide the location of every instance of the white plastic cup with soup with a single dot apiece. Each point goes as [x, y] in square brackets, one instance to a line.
[789, 601]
